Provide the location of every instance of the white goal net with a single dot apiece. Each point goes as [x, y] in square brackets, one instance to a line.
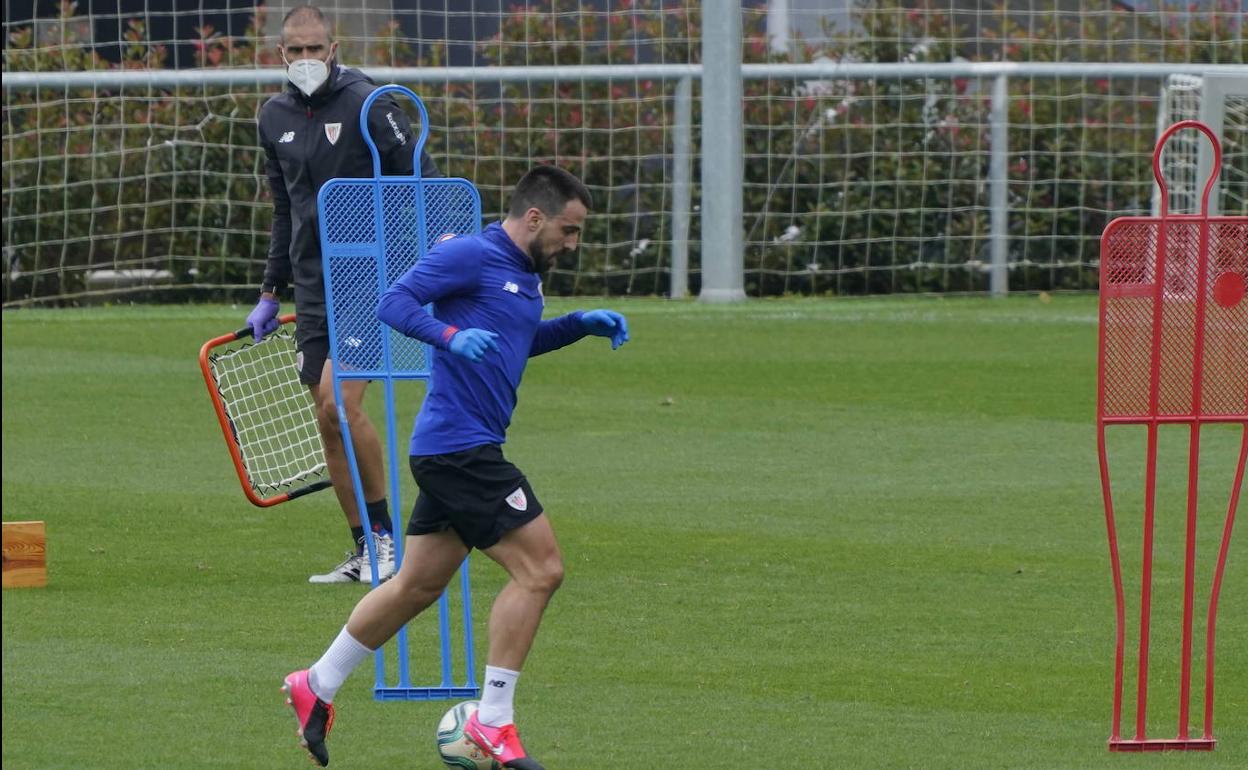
[852, 185]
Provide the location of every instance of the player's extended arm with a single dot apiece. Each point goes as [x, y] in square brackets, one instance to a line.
[564, 330]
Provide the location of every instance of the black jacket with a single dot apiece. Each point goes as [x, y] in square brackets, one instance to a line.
[295, 132]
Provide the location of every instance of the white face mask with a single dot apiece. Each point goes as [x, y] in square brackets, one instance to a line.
[307, 74]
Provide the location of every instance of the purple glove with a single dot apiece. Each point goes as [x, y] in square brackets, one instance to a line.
[263, 319]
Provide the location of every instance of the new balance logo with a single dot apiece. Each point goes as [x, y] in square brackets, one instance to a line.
[287, 137]
[496, 683]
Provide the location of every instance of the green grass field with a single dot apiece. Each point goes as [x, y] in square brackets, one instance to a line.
[798, 534]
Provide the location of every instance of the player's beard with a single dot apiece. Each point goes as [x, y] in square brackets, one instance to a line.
[543, 261]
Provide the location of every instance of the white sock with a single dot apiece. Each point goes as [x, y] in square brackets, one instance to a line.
[328, 673]
[497, 697]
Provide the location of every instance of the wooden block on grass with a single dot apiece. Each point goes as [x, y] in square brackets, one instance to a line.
[25, 554]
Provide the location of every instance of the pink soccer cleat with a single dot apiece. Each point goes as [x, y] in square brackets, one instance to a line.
[502, 743]
[315, 716]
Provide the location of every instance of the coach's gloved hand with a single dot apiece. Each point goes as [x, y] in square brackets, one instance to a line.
[606, 323]
[472, 344]
[263, 319]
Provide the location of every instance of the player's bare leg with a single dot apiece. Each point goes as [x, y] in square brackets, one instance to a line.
[371, 466]
[429, 563]
[367, 443]
[532, 559]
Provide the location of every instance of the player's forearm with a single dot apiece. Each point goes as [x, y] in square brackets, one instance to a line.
[556, 333]
[277, 267]
[404, 313]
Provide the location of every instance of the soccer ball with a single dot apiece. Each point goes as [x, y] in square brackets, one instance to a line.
[455, 748]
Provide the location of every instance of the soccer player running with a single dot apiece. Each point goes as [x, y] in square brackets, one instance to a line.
[486, 323]
[310, 134]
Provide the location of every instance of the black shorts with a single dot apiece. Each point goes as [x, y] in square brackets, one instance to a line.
[475, 492]
[311, 349]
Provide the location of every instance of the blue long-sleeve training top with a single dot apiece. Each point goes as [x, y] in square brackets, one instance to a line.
[473, 281]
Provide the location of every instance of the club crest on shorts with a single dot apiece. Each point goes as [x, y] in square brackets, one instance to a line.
[332, 132]
[517, 499]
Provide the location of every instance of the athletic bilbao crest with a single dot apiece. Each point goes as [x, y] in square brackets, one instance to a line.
[332, 132]
[517, 499]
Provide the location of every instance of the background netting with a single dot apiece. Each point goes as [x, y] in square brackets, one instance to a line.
[852, 186]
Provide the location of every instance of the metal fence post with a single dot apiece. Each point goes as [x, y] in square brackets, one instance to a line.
[998, 185]
[723, 167]
[682, 162]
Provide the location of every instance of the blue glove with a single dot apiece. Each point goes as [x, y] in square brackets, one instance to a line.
[606, 323]
[473, 344]
[263, 319]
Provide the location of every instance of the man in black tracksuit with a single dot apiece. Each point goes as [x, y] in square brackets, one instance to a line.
[311, 134]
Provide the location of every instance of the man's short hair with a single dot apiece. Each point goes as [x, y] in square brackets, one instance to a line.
[547, 189]
[305, 13]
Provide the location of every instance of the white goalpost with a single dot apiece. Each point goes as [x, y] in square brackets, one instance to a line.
[1220, 102]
